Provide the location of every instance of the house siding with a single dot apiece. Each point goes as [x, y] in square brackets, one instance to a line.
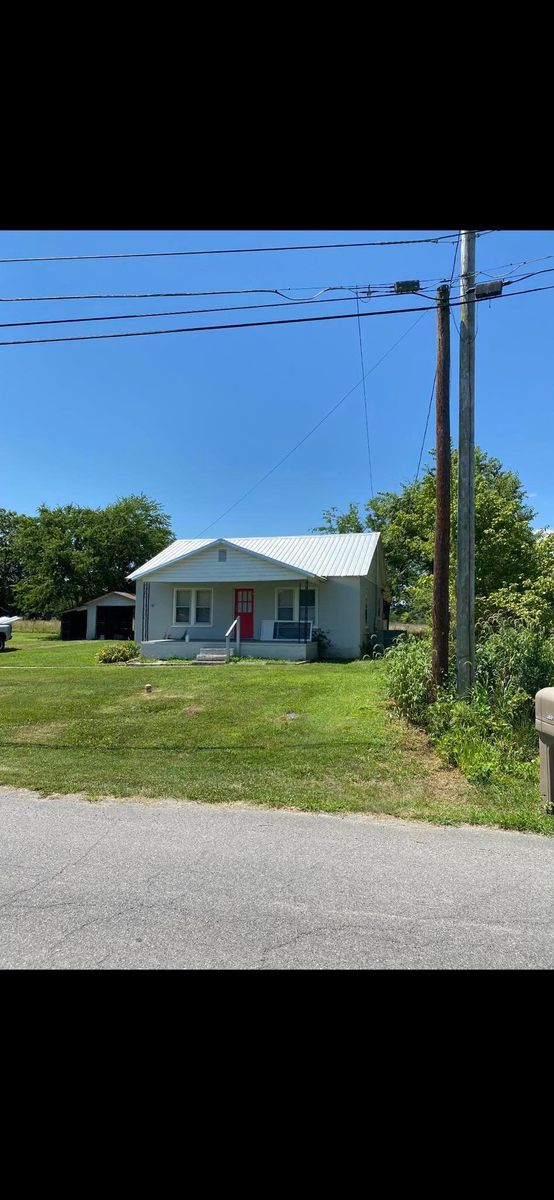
[339, 615]
[340, 611]
[239, 565]
[223, 613]
[370, 590]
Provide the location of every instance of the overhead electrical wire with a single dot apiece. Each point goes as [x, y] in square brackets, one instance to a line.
[503, 266]
[435, 375]
[311, 431]
[442, 238]
[365, 396]
[181, 312]
[528, 275]
[336, 406]
[148, 295]
[286, 303]
[498, 272]
[426, 424]
[393, 312]
[373, 291]
[95, 337]
[386, 288]
[455, 257]
[505, 282]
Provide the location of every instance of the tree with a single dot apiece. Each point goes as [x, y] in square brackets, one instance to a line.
[532, 603]
[505, 545]
[335, 522]
[69, 554]
[131, 531]
[9, 566]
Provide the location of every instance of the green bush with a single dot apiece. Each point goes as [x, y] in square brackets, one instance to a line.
[512, 664]
[118, 652]
[409, 667]
[493, 731]
[323, 642]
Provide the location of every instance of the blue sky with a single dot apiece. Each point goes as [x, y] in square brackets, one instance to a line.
[195, 419]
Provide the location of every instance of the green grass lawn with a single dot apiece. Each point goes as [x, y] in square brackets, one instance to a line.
[226, 733]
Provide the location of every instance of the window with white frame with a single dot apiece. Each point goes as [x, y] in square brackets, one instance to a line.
[192, 606]
[203, 607]
[183, 602]
[285, 604]
[296, 603]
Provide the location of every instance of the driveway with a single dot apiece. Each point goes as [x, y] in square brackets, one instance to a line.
[131, 884]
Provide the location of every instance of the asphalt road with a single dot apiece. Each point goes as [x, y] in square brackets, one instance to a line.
[172, 885]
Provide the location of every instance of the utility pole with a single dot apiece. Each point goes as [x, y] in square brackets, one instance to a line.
[465, 582]
[442, 511]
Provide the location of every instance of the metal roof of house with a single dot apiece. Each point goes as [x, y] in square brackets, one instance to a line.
[318, 554]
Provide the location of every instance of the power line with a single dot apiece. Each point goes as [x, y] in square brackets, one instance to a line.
[435, 375]
[95, 337]
[382, 287]
[524, 263]
[365, 395]
[426, 425]
[529, 275]
[383, 312]
[311, 431]
[175, 313]
[451, 282]
[144, 295]
[493, 272]
[455, 257]
[373, 291]
[237, 250]
[505, 282]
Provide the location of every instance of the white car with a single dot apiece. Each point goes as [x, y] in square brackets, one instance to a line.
[6, 630]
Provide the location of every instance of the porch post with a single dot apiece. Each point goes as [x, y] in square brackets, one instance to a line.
[305, 611]
[145, 611]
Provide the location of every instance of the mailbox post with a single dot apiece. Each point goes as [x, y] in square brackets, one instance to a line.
[544, 721]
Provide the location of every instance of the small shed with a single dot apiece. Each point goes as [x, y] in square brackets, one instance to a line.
[109, 616]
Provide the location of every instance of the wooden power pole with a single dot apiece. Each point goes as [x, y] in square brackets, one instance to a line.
[465, 582]
[441, 622]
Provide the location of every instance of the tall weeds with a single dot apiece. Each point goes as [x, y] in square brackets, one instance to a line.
[492, 733]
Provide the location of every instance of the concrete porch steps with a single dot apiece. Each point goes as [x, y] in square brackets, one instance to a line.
[212, 654]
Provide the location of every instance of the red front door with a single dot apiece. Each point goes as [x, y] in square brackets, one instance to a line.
[244, 607]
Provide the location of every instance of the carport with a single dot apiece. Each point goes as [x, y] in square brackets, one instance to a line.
[110, 616]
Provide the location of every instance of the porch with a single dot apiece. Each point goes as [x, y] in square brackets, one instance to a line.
[217, 651]
[213, 622]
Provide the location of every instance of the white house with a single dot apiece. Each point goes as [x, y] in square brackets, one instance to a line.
[262, 597]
